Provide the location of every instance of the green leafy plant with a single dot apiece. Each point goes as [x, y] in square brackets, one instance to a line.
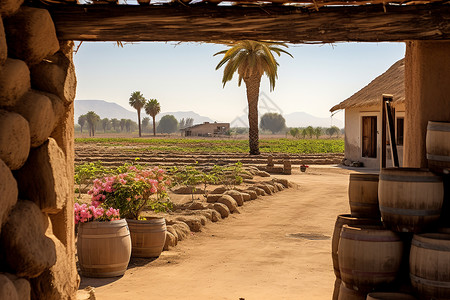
[85, 173]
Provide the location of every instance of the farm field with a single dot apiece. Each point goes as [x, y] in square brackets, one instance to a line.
[175, 151]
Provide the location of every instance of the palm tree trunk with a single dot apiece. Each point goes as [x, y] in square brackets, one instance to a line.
[139, 121]
[252, 85]
[154, 129]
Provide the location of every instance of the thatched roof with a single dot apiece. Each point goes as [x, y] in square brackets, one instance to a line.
[390, 82]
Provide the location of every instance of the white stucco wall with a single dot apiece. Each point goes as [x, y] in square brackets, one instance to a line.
[353, 135]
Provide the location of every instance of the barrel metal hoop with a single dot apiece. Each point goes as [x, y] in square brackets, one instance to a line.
[428, 282]
[358, 178]
[401, 178]
[360, 273]
[445, 158]
[410, 212]
[357, 237]
[430, 246]
[439, 127]
[363, 204]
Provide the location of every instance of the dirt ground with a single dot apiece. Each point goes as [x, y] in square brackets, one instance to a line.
[278, 247]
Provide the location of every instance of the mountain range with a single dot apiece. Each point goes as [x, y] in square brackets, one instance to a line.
[113, 110]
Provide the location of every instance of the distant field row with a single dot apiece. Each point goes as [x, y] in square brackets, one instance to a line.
[281, 145]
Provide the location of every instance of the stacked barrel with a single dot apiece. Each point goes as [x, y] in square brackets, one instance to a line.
[394, 244]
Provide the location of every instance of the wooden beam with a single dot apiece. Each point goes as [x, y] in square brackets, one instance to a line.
[206, 23]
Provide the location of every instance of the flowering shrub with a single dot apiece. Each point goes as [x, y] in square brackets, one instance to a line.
[84, 213]
[131, 191]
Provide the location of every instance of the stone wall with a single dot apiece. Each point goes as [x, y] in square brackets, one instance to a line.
[37, 89]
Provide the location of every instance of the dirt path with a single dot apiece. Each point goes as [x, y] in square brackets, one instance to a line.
[277, 248]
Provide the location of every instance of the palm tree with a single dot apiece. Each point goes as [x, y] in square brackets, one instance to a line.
[82, 121]
[152, 108]
[137, 101]
[92, 118]
[251, 59]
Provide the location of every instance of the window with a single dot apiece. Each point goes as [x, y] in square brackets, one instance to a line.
[400, 128]
[369, 136]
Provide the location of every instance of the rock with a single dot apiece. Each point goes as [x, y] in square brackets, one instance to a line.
[7, 289]
[14, 139]
[284, 182]
[8, 192]
[186, 190]
[196, 205]
[246, 196]
[24, 235]
[58, 106]
[9, 7]
[182, 230]
[22, 286]
[262, 174]
[172, 230]
[253, 195]
[171, 241]
[37, 109]
[14, 82]
[229, 202]
[246, 176]
[55, 75]
[210, 214]
[248, 181]
[212, 198]
[271, 186]
[219, 190]
[31, 35]
[44, 179]
[222, 209]
[259, 191]
[279, 186]
[237, 196]
[265, 187]
[194, 222]
[53, 284]
[88, 293]
[3, 47]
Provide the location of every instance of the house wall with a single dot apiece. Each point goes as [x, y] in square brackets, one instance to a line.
[427, 78]
[353, 135]
[204, 129]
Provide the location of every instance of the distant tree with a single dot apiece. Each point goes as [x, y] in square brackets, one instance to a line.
[92, 119]
[168, 124]
[152, 108]
[123, 123]
[137, 101]
[105, 124]
[145, 122]
[273, 122]
[128, 124]
[310, 131]
[115, 124]
[189, 122]
[82, 121]
[333, 130]
[182, 124]
[304, 132]
[294, 132]
[318, 132]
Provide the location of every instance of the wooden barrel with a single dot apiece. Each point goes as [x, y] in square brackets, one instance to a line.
[410, 199]
[363, 195]
[438, 146]
[350, 294]
[345, 219]
[429, 265]
[369, 256]
[104, 248]
[337, 286]
[389, 296]
[147, 236]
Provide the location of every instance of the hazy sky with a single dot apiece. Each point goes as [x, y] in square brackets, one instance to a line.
[183, 77]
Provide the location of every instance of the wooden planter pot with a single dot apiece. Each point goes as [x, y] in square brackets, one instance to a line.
[104, 248]
[147, 237]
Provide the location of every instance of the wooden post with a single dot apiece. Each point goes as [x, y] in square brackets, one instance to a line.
[391, 126]
[383, 133]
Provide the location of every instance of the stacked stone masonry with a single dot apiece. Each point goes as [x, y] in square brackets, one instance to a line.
[37, 89]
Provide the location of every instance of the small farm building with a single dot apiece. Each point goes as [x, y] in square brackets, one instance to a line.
[206, 129]
[363, 117]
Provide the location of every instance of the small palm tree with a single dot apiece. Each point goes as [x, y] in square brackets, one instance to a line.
[152, 108]
[251, 59]
[137, 101]
[92, 119]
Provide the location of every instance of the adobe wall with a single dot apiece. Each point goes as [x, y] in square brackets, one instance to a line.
[37, 89]
[427, 79]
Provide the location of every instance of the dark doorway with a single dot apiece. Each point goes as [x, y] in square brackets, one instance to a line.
[369, 136]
